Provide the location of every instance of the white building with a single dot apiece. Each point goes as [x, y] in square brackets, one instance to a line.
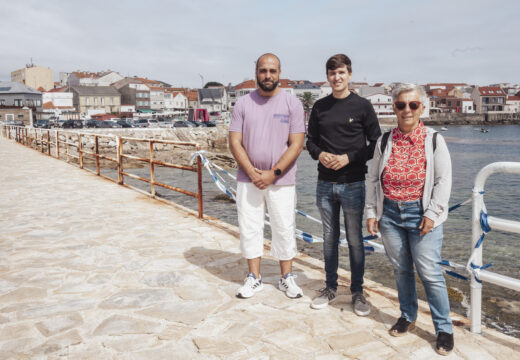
[382, 104]
[467, 106]
[85, 78]
[513, 104]
[57, 102]
[156, 98]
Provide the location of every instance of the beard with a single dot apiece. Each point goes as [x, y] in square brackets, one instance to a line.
[267, 88]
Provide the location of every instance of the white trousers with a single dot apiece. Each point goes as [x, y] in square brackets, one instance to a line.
[281, 203]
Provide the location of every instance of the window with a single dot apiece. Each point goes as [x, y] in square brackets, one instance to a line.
[95, 101]
[9, 117]
[111, 101]
[17, 102]
[2, 101]
[20, 116]
[38, 102]
[87, 101]
[102, 101]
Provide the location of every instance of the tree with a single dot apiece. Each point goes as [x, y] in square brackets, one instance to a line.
[212, 83]
[307, 102]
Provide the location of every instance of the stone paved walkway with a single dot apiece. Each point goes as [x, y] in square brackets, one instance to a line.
[93, 270]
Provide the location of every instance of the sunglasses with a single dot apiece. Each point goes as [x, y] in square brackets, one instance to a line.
[401, 105]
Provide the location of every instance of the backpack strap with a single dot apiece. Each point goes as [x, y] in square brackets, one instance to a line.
[384, 140]
[386, 135]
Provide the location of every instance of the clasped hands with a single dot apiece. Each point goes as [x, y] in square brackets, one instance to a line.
[262, 178]
[333, 161]
[425, 226]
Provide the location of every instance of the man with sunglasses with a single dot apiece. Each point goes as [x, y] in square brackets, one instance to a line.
[343, 130]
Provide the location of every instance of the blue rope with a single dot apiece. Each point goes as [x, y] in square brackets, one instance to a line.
[484, 222]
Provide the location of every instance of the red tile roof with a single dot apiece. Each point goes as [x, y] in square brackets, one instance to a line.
[248, 84]
[491, 91]
[156, 88]
[60, 89]
[193, 95]
[85, 74]
[50, 105]
[513, 98]
[286, 83]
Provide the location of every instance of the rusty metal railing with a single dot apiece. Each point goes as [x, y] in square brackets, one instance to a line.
[44, 140]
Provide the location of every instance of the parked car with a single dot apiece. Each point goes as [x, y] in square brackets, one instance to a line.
[72, 124]
[92, 123]
[141, 123]
[124, 124]
[197, 123]
[108, 124]
[183, 123]
[43, 124]
[211, 123]
[153, 123]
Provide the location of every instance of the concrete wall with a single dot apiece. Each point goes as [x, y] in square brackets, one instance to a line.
[472, 119]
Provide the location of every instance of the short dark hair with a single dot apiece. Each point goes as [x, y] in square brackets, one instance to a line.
[337, 61]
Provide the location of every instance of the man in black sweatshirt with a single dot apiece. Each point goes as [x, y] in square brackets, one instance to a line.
[342, 133]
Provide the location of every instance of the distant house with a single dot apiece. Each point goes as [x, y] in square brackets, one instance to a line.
[379, 98]
[175, 101]
[193, 99]
[244, 88]
[18, 102]
[156, 98]
[468, 107]
[302, 86]
[213, 99]
[445, 100]
[85, 78]
[35, 77]
[134, 92]
[58, 101]
[91, 100]
[513, 104]
[325, 88]
[489, 99]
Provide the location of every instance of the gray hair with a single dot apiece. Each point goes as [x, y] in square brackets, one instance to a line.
[406, 87]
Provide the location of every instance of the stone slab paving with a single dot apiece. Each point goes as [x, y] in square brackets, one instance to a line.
[93, 270]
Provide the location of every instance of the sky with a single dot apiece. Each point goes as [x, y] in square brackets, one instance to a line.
[186, 43]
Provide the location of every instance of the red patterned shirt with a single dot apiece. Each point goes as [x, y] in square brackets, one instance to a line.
[405, 171]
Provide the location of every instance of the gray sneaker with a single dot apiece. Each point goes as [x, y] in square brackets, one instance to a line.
[326, 296]
[361, 306]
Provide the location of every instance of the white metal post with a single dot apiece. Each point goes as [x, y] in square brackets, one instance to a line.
[476, 287]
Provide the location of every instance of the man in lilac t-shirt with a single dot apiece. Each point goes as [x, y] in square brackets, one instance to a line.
[266, 136]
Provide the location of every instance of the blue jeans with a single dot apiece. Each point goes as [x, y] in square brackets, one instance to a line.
[405, 248]
[330, 198]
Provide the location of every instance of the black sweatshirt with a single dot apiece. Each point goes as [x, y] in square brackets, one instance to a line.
[343, 126]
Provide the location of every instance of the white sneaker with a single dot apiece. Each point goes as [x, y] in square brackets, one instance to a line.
[250, 287]
[288, 285]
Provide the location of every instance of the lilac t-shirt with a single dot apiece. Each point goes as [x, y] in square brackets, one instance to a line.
[265, 124]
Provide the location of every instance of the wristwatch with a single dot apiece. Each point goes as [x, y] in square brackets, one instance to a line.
[277, 171]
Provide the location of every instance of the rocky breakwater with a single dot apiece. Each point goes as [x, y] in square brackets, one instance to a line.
[213, 140]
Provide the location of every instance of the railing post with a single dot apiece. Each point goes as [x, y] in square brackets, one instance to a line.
[35, 140]
[119, 160]
[41, 140]
[199, 185]
[57, 144]
[48, 142]
[152, 170]
[97, 154]
[476, 287]
[80, 150]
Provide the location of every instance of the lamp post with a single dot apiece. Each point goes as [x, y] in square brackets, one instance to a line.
[202, 80]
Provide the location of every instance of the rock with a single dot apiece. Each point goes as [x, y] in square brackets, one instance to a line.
[49, 310]
[121, 325]
[189, 313]
[57, 343]
[131, 343]
[217, 346]
[22, 294]
[57, 324]
[136, 298]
